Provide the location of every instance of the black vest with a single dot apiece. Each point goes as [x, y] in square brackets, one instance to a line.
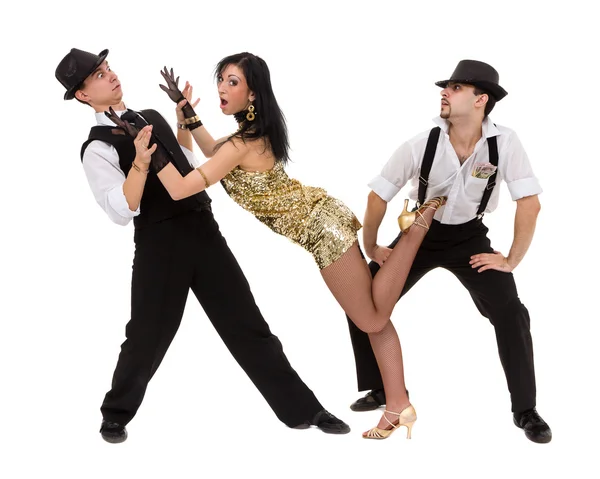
[156, 204]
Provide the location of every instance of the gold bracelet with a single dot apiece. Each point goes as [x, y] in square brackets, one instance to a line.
[194, 119]
[182, 126]
[138, 169]
[204, 177]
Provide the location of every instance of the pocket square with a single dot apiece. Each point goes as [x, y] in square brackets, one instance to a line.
[483, 170]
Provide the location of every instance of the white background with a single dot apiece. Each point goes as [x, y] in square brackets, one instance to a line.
[354, 80]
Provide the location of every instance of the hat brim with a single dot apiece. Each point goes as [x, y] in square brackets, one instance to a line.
[70, 93]
[492, 88]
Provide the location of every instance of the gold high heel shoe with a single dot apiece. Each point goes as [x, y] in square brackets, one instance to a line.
[407, 218]
[407, 418]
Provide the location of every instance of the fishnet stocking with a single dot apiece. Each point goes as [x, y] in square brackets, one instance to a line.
[369, 301]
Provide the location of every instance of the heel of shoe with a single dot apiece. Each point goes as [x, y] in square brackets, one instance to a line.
[407, 418]
[409, 426]
[406, 218]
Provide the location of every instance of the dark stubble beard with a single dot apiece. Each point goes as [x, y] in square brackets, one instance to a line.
[446, 114]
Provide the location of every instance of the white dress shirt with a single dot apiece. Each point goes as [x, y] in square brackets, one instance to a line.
[449, 178]
[105, 177]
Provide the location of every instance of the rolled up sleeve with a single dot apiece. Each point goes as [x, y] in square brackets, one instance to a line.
[106, 179]
[384, 189]
[524, 187]
[190, 157]
[518, 173]
[395, 174]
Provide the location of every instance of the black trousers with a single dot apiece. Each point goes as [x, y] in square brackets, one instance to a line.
[170, 258]
[494, 294]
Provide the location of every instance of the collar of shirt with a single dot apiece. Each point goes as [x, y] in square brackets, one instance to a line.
[461, 183]
[488, 129]
[102, 119]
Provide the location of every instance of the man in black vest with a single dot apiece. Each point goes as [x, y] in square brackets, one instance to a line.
[178, 246]
[464, 158]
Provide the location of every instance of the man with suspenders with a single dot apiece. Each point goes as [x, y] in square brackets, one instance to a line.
[465, 158]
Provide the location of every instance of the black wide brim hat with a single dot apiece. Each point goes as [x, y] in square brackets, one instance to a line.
[478, 74]
[75, 67]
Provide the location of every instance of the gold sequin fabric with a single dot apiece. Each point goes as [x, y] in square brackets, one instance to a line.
[322, 225]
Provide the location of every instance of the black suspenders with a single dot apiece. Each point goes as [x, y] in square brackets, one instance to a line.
[493, 152]
[434, 135]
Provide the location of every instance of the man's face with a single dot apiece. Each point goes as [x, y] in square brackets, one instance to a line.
[101, 88]
[459, 100]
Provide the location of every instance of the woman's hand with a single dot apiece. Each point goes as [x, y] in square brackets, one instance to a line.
[187, 95]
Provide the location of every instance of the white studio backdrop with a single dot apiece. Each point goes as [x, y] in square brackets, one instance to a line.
[355, 80]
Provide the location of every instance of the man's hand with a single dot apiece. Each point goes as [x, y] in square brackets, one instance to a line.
[141, 137]
[379, 254]
[495, 260]
[141, 142]
[156, 154]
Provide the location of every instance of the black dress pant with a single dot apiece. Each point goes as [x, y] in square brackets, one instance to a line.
[494, 294]
[170, 258]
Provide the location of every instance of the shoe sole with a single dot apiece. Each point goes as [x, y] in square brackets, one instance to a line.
[542, 440]
[372, 407]
[115, 440]
[301, 426]
[328, 431]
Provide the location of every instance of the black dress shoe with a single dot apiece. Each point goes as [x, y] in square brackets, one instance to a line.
[326, 422]
[536, 429]
[330, 424]
[371, 401]
[113, 432]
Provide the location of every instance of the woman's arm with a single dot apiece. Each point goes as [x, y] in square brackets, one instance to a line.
[187, 116]
[200, 134]
[227, 158]
[205, 141]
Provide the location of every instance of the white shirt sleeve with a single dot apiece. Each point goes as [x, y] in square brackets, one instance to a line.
[399, 169]
[517, 170]
[105, 177]
[190, 157]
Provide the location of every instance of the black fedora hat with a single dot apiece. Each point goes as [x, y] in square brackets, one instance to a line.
[75, 67]
[478, 74]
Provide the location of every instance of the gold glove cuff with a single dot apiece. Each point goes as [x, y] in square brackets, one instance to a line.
[194, 119]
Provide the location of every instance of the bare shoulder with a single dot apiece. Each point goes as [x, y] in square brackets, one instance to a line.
[221, 140]
[257, 146]
[233, 147]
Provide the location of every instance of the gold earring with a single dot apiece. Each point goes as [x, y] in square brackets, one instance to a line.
[250, 115]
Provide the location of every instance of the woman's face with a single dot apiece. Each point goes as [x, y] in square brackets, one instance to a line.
[233, 90]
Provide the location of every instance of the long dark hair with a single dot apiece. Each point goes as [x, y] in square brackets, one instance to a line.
[269, 122]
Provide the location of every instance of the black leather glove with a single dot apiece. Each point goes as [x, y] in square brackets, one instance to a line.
[160, 158]
[172, 89]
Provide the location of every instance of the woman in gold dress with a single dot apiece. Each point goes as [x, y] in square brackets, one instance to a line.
[250, 165]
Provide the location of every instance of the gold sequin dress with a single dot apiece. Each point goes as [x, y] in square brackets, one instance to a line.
[322, 225]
